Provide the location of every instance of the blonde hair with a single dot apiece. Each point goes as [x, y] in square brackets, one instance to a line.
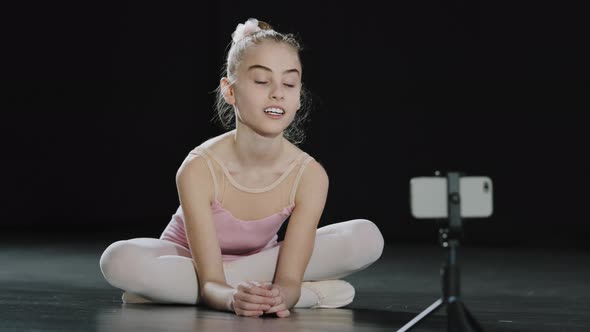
[245, 36]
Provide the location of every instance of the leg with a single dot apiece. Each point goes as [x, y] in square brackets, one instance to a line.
[159, 270]
[164, 272]
[355, 243]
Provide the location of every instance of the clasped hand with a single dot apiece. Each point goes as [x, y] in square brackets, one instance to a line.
[253, 299]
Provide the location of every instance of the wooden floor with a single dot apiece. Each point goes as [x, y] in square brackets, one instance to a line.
[56, 285]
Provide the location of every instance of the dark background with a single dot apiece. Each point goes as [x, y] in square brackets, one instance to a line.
[102, 102]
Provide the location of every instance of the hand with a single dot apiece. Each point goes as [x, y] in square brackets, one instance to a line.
[252, 299]
[278, 295]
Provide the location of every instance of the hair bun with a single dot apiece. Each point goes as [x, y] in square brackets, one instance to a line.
[248, 28]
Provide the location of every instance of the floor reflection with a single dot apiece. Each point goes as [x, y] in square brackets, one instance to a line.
[141, 317]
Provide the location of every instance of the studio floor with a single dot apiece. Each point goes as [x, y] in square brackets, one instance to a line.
[56, 285]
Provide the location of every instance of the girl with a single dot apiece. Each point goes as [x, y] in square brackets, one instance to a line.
[236, 190]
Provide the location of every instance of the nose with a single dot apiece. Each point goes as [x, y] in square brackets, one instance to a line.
[277, 92]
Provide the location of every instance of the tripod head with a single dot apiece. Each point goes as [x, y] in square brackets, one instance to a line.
[454, 229]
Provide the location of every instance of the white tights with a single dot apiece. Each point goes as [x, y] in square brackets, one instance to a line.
[164, 272]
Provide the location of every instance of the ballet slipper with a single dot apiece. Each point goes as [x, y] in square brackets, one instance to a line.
[133, 298]
[331, 293]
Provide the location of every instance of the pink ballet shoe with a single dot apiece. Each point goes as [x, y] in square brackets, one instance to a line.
[133, 298]
[331, 293]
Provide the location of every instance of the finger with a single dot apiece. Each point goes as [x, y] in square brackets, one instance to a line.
[247, 313]
[276, 300]
[272, 310]
[255, 283]
[276, 308]
[255, 290]
[284, 313]
[248, 284]
[261, 284]
[254, 298]
[275, 291]
[244, 305]
[267, 286]
[249, 288]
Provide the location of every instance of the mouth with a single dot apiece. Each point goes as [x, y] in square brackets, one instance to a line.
[274, 112]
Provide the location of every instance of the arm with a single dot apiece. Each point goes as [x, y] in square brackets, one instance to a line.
[195, 191]
[299, 241]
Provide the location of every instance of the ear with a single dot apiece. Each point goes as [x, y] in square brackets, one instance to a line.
[228, 91]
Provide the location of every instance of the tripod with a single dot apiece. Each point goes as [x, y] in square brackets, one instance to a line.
[459, 319]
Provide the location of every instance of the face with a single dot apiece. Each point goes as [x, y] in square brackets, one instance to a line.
[267, 92]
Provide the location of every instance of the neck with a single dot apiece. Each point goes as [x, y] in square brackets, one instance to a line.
[255, 151]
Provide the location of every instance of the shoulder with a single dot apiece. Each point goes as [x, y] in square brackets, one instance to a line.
[193, 168]
[311, 167]
[212, 143]
[314, 171]
[194, 180]
[216, 143]
[196, 166]
[200, 153]
[314, 181]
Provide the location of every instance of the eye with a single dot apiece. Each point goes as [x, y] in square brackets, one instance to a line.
[290, 85]
[260, 82]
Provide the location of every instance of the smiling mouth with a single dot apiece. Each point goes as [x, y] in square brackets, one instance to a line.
[274, 111]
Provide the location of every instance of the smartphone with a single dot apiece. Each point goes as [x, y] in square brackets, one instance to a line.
[428, 197]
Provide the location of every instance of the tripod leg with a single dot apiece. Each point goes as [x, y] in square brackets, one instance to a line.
[459, 319]
[431, 309]
[472, 320]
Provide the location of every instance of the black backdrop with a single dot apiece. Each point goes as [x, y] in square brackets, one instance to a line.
[103, 101]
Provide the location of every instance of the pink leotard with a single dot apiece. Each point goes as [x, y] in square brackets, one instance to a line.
[240, 237]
